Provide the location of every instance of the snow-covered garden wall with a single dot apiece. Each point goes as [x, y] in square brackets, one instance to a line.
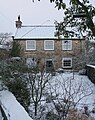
[11, 107]
[91, 73]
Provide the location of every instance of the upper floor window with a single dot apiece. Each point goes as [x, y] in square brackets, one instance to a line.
[48, 45]
[67, 45]
[30, 45]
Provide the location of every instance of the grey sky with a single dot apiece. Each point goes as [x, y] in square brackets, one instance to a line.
[31, 13]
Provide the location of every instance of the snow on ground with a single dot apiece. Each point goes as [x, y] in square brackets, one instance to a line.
[15, 111]
[77, 87]
[11, 107]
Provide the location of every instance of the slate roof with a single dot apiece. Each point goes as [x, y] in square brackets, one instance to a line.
[39, 32]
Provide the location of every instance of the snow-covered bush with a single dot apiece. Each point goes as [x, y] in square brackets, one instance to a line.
[82, 72]
[12, 75]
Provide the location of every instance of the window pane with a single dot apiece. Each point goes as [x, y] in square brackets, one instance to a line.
[49, 45]
[67, 62]
[31, 45]
[67, 45]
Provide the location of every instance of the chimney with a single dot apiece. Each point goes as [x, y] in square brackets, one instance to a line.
[18, 23]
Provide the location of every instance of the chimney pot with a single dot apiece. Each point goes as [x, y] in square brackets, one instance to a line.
[18, 23]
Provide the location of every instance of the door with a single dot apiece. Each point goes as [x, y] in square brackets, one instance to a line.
[49, 65]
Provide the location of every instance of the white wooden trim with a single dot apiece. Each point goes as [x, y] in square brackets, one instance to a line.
[63, 62]
[34, 45]
[45, 44]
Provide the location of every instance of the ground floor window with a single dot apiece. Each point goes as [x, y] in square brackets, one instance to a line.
[67, 62]
[49, 65]
[31, 62]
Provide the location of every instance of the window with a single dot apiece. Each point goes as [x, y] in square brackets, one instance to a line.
[67, 62]
[31, 62]
[30, 45]
[48, 45]
[67, 45]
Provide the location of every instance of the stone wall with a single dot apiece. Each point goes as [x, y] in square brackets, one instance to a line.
[91, 73]
[57, 54]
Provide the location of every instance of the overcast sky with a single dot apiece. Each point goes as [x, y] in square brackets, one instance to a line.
[31, 13]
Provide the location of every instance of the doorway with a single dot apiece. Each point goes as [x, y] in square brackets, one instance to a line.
[49, 65]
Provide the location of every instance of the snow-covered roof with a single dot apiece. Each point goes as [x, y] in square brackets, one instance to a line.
[39, 32]
[93, 66]
[92, 41]
[4, 47]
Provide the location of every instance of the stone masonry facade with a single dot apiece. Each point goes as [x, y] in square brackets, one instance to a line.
[57, 54]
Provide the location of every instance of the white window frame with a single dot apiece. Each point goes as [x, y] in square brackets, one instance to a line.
[67, 45]
[46, 46]
[34, 46]
[63, 62]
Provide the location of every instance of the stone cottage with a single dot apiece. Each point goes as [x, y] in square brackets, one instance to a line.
[39, 44]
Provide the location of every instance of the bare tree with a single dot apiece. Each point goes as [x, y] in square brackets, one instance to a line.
[24, 80]
[5, 43]
[68, 93]
[5, 38]
[84, 56]
[37, 81]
